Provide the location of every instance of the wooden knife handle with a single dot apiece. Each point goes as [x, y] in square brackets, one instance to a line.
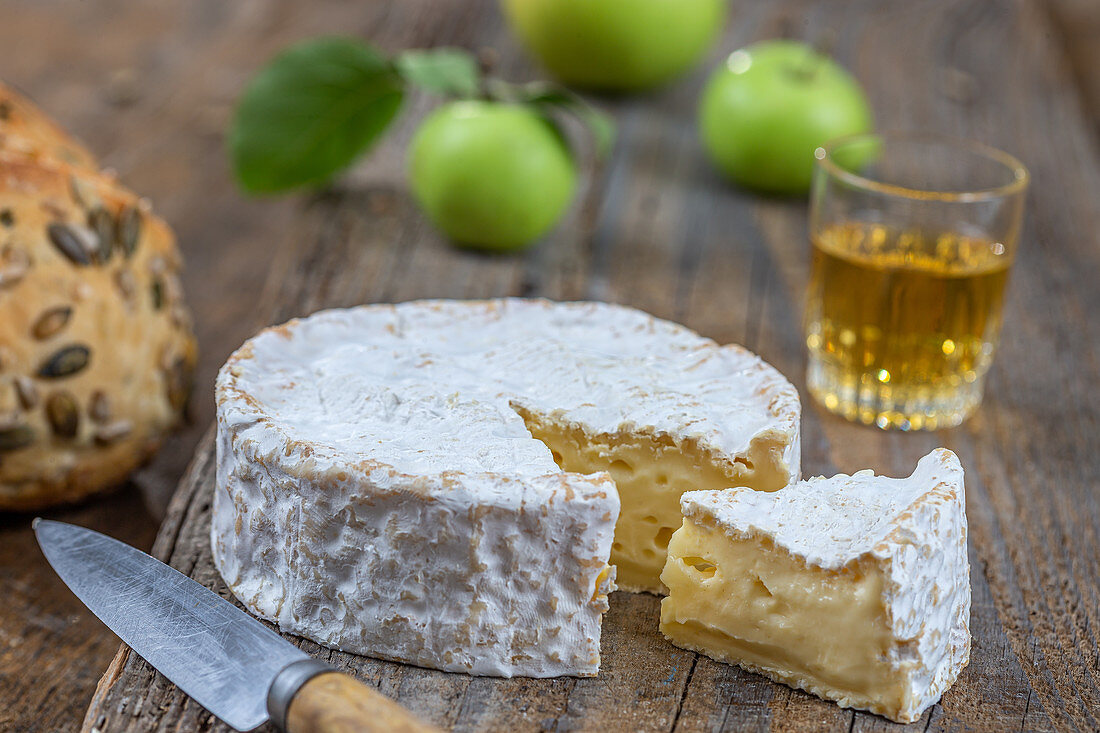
[308, 696]
[333, 702]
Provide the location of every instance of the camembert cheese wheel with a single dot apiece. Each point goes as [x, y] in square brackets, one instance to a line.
[439, 482]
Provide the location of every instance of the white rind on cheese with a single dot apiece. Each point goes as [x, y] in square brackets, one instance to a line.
[912, 530]
[379, 492]
[480, 574]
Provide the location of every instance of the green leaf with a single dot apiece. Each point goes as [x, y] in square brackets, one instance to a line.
[451, 72]
[311, 112]
[551, 98]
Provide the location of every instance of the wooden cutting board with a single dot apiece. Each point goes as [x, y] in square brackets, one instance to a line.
[655, 228]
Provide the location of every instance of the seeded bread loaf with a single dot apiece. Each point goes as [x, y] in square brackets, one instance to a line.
[96, 349]
[24, 128]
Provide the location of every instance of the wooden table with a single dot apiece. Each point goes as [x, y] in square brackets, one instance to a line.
[150, 87]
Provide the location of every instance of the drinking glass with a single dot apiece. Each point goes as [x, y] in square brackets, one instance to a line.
[912, 239]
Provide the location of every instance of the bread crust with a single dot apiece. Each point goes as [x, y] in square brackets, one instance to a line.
[96, 345]
[26, 129]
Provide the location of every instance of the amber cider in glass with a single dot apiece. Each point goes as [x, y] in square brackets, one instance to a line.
[912, 237]
[901, 325]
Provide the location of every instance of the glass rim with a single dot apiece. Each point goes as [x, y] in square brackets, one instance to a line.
[824, 159]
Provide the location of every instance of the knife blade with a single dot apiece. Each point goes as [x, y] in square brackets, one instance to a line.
[227, 661]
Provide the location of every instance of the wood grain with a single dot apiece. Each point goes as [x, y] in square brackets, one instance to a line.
[654, 228]
[52, 649]
[657, 230]
[337, 703]
[1078, 22]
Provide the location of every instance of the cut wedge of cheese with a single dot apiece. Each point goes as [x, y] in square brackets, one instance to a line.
[854, 588]
[439, 482]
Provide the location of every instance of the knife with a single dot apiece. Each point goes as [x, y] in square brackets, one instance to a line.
[230, 663]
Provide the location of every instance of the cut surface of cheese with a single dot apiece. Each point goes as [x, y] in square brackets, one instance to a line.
[398, 481]
[651, 472]
[854, 588]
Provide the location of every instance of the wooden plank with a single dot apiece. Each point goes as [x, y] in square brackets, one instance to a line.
[52, 650]
[133, 96]
[150, 87]
[1078, 22]
[657, 230]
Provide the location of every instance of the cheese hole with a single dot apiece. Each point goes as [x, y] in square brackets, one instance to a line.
[557, 457]
[700, 565]
[662, 479]
[617, 546]
[760, 589]
[664, 534]
[649, 552]
[744, 462]
[649, 519]
[621, 466]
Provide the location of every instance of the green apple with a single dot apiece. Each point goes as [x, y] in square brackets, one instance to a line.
[769, 106]
[491, 175]
[616, 45]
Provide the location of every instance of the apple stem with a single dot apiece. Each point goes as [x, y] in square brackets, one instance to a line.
[487, 58]
[808, 69]
[823, 45]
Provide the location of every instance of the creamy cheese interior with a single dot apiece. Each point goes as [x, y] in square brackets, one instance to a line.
[650, 473]
[745, 602]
